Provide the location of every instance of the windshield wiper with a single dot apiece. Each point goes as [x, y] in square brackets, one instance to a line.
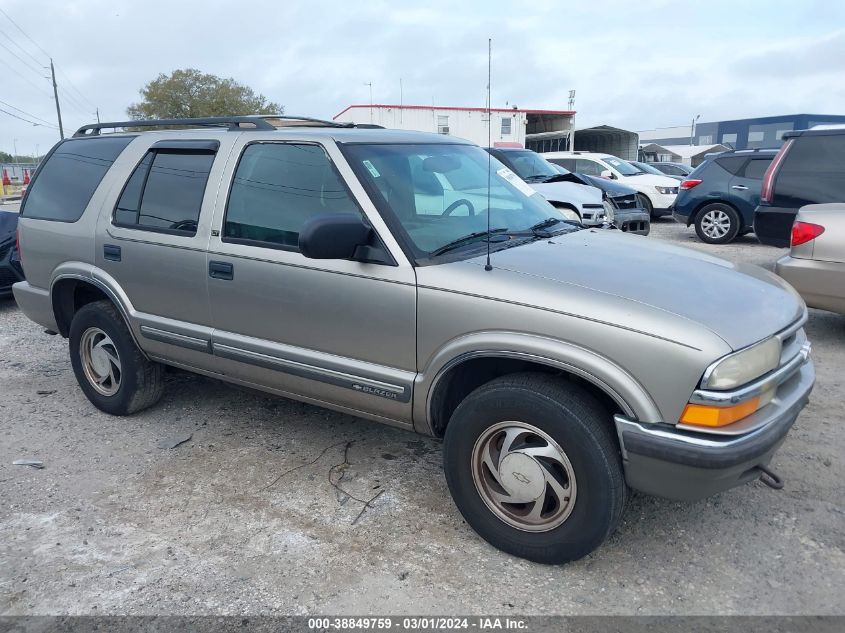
[535, 178]
[466, 239]
[544, 224]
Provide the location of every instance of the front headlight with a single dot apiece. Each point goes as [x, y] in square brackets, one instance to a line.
[609, 210]
[744, 366]
[667, 190]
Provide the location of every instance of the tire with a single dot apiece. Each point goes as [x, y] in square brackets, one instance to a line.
[571, 420]
[109, 367]
[717, 223]
[647, 206]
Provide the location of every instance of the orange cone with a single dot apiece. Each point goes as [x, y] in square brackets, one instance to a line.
[26, 176]
[6, 180]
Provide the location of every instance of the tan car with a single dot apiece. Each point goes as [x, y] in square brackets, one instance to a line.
[815, 265]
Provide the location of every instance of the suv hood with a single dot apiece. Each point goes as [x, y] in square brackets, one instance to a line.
[630, 281]
[568, 192]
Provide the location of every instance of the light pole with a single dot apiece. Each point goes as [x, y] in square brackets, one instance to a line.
[692, 129]
[370, 84]
[15, 150]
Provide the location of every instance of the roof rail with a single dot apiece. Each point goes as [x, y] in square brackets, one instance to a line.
[232, 123]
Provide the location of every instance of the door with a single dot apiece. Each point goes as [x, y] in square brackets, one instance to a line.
[744, 187]
[336, 332]
[152, 241]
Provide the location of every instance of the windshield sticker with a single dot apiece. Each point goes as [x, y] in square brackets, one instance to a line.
[516, 181]
[371, 169]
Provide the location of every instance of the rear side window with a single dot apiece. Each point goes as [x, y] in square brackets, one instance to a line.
[277, 188]
[566, 163]
[757, 167]
[732, 164]
[822, 154]
[65, 183]
[165, 192]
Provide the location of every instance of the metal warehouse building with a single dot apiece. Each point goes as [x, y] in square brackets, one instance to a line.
[738, 133]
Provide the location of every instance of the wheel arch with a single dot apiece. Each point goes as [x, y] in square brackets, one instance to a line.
[451, 379]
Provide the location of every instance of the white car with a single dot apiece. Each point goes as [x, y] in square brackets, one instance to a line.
[659, 191]
[571, 197]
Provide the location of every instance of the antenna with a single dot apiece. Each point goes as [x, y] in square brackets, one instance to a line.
[487, 266]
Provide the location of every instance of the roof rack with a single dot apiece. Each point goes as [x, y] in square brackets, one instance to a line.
[232, 123]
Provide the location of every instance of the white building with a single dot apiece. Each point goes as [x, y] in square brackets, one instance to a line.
[510, 127]
[692, 155]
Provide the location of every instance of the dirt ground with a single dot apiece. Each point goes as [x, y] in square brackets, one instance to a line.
[223, 524]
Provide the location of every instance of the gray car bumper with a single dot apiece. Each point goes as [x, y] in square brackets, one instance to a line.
[632, 221]
[664, 461]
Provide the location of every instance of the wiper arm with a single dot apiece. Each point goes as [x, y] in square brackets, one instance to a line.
[466, 239]
[545, 224]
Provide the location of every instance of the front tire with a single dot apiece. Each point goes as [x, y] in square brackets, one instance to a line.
[646, 205]
[109, 367]
[717, 223]
[533, 467]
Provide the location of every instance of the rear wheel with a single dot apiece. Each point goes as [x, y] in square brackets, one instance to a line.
[533, 467]
[109, 367]
[717, 223]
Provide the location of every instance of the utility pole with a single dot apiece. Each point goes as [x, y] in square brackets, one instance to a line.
[98, 114]
[370, 84]
[56, 95]
[15, 150]
[692, 129]
[572, 121]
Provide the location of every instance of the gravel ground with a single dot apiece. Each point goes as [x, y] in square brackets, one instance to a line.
[114, 524]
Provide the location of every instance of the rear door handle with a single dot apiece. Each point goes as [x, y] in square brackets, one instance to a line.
[221, 270]
[739, 187]
[111, 252]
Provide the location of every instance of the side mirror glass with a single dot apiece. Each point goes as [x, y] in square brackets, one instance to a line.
[335, 236]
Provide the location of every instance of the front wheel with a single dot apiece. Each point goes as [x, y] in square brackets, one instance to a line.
[533, 467]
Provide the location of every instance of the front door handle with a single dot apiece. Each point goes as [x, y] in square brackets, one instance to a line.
[221, 270]
[739, 187]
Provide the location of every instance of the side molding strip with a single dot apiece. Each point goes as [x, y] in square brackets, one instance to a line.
[181, 340]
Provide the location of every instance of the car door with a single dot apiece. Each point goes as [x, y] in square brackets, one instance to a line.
[744, 186]
[151, 244]
[335, 332]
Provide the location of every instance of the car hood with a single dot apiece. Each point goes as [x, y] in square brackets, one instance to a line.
[651, 179]
[637, 283]
[568, 192]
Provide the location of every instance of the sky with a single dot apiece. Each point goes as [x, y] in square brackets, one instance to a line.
[635, 64]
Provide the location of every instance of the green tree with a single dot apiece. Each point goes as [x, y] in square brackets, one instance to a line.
[190, 93]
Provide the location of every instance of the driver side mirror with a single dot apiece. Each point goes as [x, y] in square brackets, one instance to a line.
[606, 173]
[339, 236]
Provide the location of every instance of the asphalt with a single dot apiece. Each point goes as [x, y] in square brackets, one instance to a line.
[254, 514]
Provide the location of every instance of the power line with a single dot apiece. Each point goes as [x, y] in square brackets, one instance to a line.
[21, 59]
[21, 48]
[12, 114]
[77, 90]
[8, 17]
[30, 82]
[29, 114]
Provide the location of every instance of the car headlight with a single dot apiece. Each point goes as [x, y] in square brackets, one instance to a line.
[667, 190]
[744, 366]
[609, 210]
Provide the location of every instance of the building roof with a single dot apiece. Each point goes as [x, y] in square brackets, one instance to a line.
[688, 151]
[462, 109]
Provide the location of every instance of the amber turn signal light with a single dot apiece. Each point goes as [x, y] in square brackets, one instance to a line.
[703, 415]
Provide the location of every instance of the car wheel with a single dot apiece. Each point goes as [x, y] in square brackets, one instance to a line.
[109, 367]
[717, 223]
[533, 467]
[646, 205]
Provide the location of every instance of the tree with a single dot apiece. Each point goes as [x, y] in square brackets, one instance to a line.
[189, 93]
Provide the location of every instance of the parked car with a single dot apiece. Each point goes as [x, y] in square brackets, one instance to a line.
[659, 191]
[673, 169]
[307, 261]
[553, 182]
[647, 168]
[583, 199]
[720, 195]
[11, 271]
[815, 266]
[809, 169]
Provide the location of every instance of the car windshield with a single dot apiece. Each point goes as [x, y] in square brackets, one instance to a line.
[529, 166]
[438, 195]
[645, 167]
[623, 167]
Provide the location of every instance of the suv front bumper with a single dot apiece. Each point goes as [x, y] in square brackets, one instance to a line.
[662, 460]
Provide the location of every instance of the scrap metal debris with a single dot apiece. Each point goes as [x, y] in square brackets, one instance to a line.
[34, 463]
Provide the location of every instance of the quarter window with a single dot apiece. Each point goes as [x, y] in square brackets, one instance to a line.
[277, 188]
[757, 167]
[165, 192]
[67, 181]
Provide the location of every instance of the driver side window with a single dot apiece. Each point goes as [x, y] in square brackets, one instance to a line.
[165, 191]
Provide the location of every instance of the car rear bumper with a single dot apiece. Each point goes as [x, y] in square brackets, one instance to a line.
[36, 304]
[773, 225]
[664, 461]
[819, 283]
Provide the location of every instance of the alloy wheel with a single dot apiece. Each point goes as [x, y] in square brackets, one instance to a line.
[716, 224]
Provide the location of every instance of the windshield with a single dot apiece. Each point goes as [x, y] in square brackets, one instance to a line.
[438, 194]
[530, 166]
[623, 167]
[648, 169]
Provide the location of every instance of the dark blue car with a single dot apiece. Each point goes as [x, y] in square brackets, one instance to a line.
[720, 195]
